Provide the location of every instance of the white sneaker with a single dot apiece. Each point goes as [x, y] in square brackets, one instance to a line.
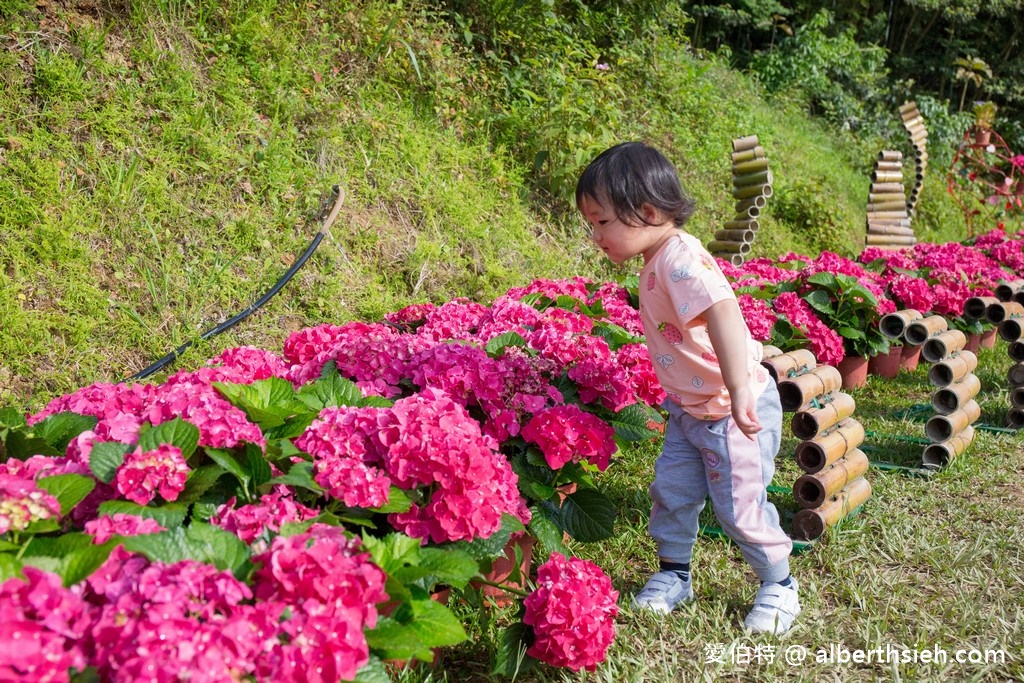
[775, 608]
[663, 593]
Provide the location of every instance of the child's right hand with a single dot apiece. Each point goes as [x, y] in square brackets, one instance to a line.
[744, 412]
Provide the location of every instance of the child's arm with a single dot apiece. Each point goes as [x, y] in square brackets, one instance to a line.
[726, 329]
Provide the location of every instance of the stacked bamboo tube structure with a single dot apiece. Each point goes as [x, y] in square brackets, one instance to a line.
[888, 217]
[914, 123]
[894, 326]
[752, 186]
[950, 431]
[1008, 314]
[833, 482]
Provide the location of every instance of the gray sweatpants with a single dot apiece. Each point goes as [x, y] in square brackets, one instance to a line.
[699, 458]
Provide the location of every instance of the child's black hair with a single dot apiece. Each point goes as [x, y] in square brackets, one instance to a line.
[630, 175]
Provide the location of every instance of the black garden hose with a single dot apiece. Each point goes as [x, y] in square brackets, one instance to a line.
[231, 322]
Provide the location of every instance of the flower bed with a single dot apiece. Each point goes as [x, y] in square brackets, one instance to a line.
[287, 517]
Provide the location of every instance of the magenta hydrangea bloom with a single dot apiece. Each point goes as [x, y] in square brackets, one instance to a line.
[144, 474]
[569, 434]
[161, 621]
[825, 343]
[758, 315]
[435, 446]
[575, 287]
[100, 400]
[640, 374]
[348, 456]
[106, 527]
[912, 292]
[572, 613]
[456, 319]
[249, 364]
[269, 513]
[43, 628]
[332, 589]
[615, 299]
[22, 502]
[191, 397]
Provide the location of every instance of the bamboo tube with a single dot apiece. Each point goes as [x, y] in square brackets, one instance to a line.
[744, 224]
[918, 331]
[901, 212]
[874, 229]
[734, 259]
[807, 424]
[886, 177]
[892, 325]
[810, 524]
[769, 351]
[952, 369]
[745, 191]
[975, 306]
[796, 391]
[888, 165]
[748, 154]
[890, 155]
[1015, 418]
[939, 346]
[941, 454]
[735, 235]
[889, 222]
[1019, 297]
[818, 453]
[1016, 375]
[942, 427]
[757, 201]
[908, 106]
[746, 142]
[729, 247]
[1011, 329]
[887, 187]
[811, 490]
[891, 205]
[1001, 310]
[752, 166]
[879, 197]
[1016, 351]
[1005, 290]
[749, 212]
[890, 239]
[953, 396]
[789, 364]
[761, 178]
[1017, 397]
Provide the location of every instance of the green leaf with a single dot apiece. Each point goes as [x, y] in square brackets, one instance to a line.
[448, 566]
[227, 460]
[176, 432]
[630, 423]
[200, 542]
[374, 671]
[257, 465]
[510, 657]
[431, 625]
[827, 280]
[547, 532]
[57, 546]
[392, 552]
[68, 489]
[168, 515]
[58, 430]
[615, 336]
[268, 402]
[588, 515]
[330, 391]
[106, 457]
[299, 475]
[80, 564]
[495, 347]
[494, 545]
[200, 480]
[21, 446]
[292, 427]
[820, 301]
[398, 501]
[10, 567]
[12, 417]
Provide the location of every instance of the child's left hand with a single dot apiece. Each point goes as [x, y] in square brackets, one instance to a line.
[744, 412]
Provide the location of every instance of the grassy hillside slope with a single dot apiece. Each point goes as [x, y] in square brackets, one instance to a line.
[163, 163]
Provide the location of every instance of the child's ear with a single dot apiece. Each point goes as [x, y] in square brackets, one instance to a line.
[651, 215]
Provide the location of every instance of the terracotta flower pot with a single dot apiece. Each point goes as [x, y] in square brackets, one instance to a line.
[988, 338]
[502, 569]
[886, 364]
[909, 357]
[973, 343]
[854, 370]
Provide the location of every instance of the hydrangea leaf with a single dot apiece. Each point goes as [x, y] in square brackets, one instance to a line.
[494, 545]
[168, 516]
[200, 480]
[105, 458]
[57, 546]
[374, 671]
[546, 531]
[588, 515]
[257, 465]
[630, 423]
[496, 347]
[398, 501]
[448, 566]
[10, 567]
[230, 464]
[177, 432]
[268, 402]
[68, 489]
[330, 391]
[18, 445]
[615, 335]
[11, 417]
[510, 658]
[299, 475]
[81, 563]
[60, 429]
[199, 542]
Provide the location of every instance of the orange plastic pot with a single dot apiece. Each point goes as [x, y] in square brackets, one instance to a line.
[854, 371]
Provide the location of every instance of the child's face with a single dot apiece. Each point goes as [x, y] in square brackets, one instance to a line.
[622, 241]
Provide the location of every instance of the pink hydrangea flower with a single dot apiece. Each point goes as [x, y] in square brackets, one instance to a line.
[120, 524]
[102, 401]
[825, 343]
[190, 396]
[22, 502]
[912, 292]
[332, 588]
[144, 474]
[249, 364]
[575, 287]
[758, 315]
[269, 513]
[572, 613]
[568, 434]
[43, 629]
[642, 379]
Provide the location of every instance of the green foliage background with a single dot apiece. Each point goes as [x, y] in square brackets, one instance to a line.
[163, 163]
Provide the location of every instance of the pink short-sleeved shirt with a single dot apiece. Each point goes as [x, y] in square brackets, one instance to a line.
[676, 287]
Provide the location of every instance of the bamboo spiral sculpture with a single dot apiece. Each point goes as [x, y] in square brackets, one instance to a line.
[914, 123]
[833, 482]
[752, 186]
[888, 218]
